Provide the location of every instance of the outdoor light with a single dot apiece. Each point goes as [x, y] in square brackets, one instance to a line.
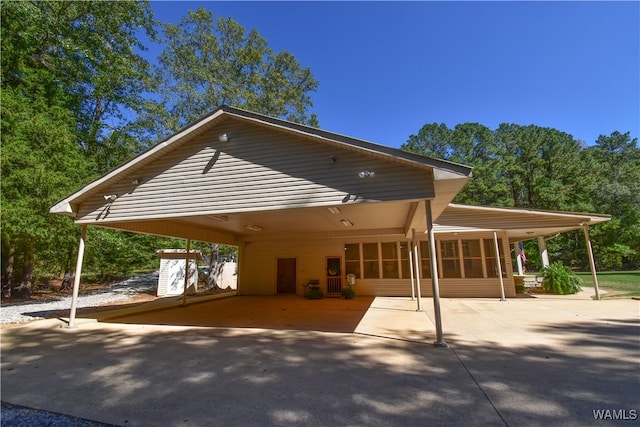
[220, 217]
[334, 211]
[254, 227]
[110, 198]
[223, 137]
[136, 181]
[366, 174]
[346, 222]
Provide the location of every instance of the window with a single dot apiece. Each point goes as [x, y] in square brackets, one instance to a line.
[472, 257]
[404, 260]
[390, 261]
[352, 259]
[425, 260]
[490, 257]
[450, 259]
[370, 258]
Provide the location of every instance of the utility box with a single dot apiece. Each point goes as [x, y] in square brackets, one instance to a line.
[173, 263]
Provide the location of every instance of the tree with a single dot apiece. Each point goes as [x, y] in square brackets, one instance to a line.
[70, 79]
[617, 160]
[206, 64]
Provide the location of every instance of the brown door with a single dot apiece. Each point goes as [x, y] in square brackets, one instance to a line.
[286, 275]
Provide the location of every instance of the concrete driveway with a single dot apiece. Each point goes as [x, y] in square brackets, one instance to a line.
[526, 361]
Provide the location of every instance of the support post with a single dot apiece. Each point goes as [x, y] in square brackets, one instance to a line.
[435, 284]
[413, 283]
[592, 261]
[544, 254]
[516, 250]
[186, 274]
[499, 265]
[417, 269]
[76, 278]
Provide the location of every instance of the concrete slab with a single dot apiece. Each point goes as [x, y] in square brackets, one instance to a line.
[520, 362]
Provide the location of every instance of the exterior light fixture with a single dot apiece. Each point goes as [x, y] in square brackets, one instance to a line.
[334, 210]
[366, 174]
[222, 218]
[346, 223]
[110, 198]
[254, 227]
[224, 137]
[136, 181]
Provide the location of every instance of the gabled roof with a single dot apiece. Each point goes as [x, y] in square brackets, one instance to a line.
[442, 170]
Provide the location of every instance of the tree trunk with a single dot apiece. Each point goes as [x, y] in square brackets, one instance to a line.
[212, 280]
[7, 286]
[24, 290]
[67, 280]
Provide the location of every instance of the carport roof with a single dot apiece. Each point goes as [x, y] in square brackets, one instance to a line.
[519, 223]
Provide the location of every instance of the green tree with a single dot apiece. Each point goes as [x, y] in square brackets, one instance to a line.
[207, 63]
[617, 160]
[71, 78]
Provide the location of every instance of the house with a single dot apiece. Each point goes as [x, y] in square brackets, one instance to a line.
[305, 204]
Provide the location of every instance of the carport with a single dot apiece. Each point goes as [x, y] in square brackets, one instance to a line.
[282, 191]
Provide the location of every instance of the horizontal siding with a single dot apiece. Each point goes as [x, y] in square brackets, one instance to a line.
[257, 169]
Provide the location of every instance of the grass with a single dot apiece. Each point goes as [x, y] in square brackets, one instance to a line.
[618, 284]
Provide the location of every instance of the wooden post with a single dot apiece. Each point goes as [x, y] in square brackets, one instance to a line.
[499, 265]
[186, 274]
[413, 290]
[435, 283]
[592, 262]
[76, 279]
[417, 268]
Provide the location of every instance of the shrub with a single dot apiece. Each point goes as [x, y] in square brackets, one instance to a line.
[315, 293]
[348, 292]
[560, 280]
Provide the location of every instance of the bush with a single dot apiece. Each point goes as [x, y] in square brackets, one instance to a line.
[348, 292]
[315, 293]
[560, 280]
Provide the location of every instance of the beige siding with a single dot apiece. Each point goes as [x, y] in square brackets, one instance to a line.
[258, 269]
[257, 169]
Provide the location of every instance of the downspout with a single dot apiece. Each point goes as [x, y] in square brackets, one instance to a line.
[592, 262]
[435, 283]
[76, 279]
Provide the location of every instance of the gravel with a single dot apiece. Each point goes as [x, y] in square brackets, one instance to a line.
[123, 291]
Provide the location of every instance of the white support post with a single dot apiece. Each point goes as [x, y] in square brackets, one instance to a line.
[76, 279]
[592, 261]
[544, 254]
[516, 250]
[499, 265]
[186, 274]
[435, 283]
[417, 269]
[413, 283]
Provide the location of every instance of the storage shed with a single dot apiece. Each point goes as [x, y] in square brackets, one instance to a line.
[173, 263]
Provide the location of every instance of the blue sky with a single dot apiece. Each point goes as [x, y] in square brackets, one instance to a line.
[388, 68]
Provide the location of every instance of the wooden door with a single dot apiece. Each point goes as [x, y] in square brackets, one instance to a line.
[334, 276]
[286, 276]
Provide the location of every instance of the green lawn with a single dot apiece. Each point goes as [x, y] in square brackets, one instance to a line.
[616, 283]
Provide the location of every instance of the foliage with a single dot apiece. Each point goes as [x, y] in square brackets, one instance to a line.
[207, 63]
[560, 280]
[543, 168]
[348, 292]
[314, 293]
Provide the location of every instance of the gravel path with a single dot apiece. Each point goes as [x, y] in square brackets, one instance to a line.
[123, 291]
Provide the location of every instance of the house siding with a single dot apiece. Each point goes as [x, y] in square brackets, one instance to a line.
[257, 169]
[258, 269]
